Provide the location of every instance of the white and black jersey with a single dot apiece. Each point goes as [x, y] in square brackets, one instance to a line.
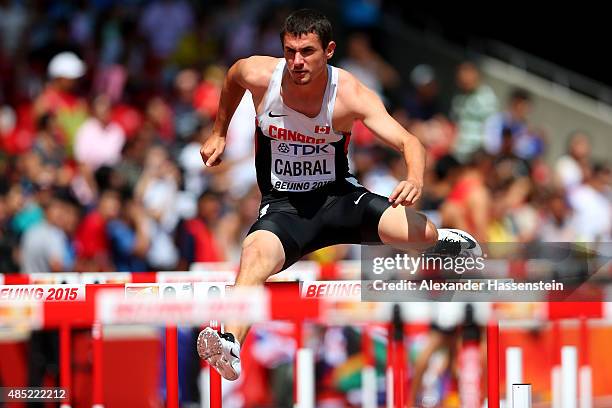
[294, 152]
[309, 198]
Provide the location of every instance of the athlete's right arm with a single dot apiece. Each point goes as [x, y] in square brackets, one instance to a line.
[245, 74]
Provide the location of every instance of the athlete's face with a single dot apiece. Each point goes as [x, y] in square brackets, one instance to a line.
[306, 58]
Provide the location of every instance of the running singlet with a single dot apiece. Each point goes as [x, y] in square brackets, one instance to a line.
[294, 152]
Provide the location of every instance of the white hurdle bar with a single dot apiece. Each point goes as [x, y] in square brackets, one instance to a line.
[569, 377]
[521, 396]
[514, 372]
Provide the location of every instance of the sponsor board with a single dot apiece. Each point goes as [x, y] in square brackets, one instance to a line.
[245, 305]
[55, 278]
[141, 290]
[42, 293]
[105, 277]
[197, 276]
[333, 290]
[212, 290]
[300, 271]
[21, 315]
[176, 290]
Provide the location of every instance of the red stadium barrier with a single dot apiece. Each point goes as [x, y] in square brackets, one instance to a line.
[98, 369]
[493, 364]
[65, 361]
[284, 302]
[172, 387]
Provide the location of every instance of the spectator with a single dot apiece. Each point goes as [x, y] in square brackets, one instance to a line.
[157, 190]
[557, 224]
[54, 36]
[164, 22]
[368, 66]
[82, 24]
[13, 23]
[268, 32]
[592, 208]
[207, 94]
[45, 247]
[129, 237]
[467, 206]
[425, 118]
[91, 241]
[186, 118]
[526, 143]
[508, 165]
[440, 181]
[235, 224]
[46, 145]
[99, 140]
[239, 173]
[520, 209]
[159, 121]
[59, 97]
[384, 177]
[26, 212]
[8, 239]
[133, 156]
[471, 107]
[572, 168]
[195, 177]
[197, 236]
[422, 101]
[512, 187]
[237, 26]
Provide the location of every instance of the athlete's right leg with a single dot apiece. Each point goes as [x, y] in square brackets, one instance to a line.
[262, 256]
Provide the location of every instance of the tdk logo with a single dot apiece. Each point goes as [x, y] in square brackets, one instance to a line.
[302, 150]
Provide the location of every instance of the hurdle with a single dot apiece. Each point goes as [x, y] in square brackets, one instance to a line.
[571, 376]
[105, 304]
[281, 301]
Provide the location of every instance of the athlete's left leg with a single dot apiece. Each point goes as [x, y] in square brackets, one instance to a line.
[406, 229]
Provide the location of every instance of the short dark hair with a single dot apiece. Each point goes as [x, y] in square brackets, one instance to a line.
[307, 21]
[520, 94]
[445, 165]
[600, 168]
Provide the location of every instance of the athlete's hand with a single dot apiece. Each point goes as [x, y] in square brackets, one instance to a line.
[406, 193]
[212, 149]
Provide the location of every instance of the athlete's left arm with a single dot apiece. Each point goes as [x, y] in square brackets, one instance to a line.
[367, 107]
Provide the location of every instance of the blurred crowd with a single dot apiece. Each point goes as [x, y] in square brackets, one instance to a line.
[104, 105]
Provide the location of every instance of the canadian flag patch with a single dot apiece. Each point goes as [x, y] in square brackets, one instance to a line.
[322, 129]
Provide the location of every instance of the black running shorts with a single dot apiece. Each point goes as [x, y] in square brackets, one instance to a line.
[340, 213]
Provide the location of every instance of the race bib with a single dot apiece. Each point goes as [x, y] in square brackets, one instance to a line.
[301, 167]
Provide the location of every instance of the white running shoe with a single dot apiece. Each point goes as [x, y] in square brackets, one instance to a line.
[220, 351]
[455, 242]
